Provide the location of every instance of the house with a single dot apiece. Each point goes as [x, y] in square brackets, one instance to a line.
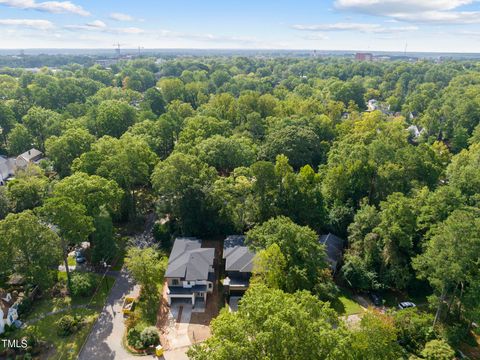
[334, 248]
[7, 169]
[31, 156]
[190, 274]
[238, 260]
[372, 105]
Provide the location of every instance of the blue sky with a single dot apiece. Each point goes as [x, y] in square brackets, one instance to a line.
[425, 25]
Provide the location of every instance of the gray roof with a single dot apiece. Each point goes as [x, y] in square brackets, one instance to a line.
[7, 168]
[334, 248]
[31, 155]
[238, 257]
[189, 261]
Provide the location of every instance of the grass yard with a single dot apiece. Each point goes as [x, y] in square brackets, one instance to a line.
[66, 348]
[48, 304]
[345, 303]
[45, 329]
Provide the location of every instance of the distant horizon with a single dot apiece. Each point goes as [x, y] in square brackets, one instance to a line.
[441, 26]
[131, 50]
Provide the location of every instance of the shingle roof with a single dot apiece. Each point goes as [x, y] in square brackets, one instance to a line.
[334, 248]
[238, 257]
[31, 154]
[7, 167]
[189, 261]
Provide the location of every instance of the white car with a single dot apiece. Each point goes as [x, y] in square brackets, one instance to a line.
[406, 305]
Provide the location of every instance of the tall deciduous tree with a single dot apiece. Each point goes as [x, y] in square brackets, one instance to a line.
[451, 256]
[305, 256]
[271, 324]
[70, 221]
[30, 248]
[62, 150]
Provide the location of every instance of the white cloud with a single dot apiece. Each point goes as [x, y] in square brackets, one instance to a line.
[54, 7]
[359, 27]
[121, 17]
[100, 26]
[422, 11]
[28, 23]
[97, 24]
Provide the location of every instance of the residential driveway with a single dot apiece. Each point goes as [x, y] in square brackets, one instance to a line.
[176, 332]
[105, 339]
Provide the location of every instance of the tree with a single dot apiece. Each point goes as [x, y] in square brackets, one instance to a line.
[438, 350]
[30, 248]
[19, 140]
[4, 202]
[376, 338]
[450, 257]
[71, 223]
[62, 150]
[159, 135]
[171, 89]
[414, 328]
[41, 123]
[299, 143]
[147, 267]
[94, 192]
[128, 160]
[464, 173]
[7, 121]
[267, 325]
[155, 101]
[181, 182]
[269, 267]
[28, 189]
[113, 118]
[304, 255]
[105, 247]
[226, 154]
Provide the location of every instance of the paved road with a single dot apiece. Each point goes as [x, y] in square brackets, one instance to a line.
[105, 339]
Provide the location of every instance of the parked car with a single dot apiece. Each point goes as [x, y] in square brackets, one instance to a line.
[406, 305]
[80, 257]
[376, 299]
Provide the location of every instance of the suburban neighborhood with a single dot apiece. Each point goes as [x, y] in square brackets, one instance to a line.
[224, 181]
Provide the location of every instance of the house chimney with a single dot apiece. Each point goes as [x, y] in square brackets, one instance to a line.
[29, 152]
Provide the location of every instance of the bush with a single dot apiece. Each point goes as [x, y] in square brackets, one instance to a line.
[414, 328]
[141, 339]
[83, 284]
[68, 325]
[133, 339]
[24, 306]
[149, 336]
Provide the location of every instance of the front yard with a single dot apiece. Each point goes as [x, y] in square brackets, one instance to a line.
[42, 318]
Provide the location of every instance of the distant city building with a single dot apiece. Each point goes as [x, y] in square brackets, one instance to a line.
[364, 56]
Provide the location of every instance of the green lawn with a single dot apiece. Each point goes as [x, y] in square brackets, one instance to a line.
[345, 303]
[48, 304]
[66, 348]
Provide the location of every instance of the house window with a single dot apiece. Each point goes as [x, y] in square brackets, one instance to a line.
[209, 285]
[175, 282]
